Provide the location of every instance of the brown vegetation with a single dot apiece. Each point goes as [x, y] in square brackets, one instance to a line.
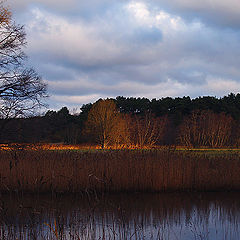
[147, 130]
[117, 170]
[5, 15]
[108, 127]
[206, 128]
[105, 124]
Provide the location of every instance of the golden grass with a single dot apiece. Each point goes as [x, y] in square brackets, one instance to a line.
[117, 170]
[62, 146]
[46, 146]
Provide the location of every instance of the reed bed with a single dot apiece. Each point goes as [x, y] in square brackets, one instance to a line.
[118, 171]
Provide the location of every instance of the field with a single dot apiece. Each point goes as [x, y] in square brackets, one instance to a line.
[91, 171]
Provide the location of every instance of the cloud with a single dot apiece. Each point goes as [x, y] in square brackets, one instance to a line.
[224, 13]
[59, 5]
[214, 12]
[132, 48]
[213, 87]
[95, 44]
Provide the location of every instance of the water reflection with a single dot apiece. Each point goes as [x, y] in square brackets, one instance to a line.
[173, 216]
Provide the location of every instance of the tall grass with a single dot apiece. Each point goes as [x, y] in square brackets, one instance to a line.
[118, 170]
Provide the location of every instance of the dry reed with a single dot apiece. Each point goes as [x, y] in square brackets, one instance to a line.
[118, 170]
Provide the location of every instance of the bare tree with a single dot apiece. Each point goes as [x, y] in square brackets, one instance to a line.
[21, 89]
[219, 129]
[192, 131]
[147, 130]
[105, 123]
[206, 128]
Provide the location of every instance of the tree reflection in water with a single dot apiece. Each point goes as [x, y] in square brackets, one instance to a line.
[173, 216]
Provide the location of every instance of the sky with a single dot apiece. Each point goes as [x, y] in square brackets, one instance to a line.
[91, 49]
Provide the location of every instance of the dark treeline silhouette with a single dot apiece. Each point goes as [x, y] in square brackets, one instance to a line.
[203, 121]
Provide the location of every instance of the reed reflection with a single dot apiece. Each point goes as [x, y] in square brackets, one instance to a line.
[121, 216]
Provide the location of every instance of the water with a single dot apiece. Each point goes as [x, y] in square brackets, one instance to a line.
[173, 216]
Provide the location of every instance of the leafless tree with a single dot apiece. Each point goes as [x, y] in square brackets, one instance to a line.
[21, 89]
[147, 130]
[192, 132]
[206, 128]
[219, 129]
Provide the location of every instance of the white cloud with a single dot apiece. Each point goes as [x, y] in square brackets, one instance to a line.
[140, 11]
[78, 42]
[155, 18]
[222, 86]
[131, 48]
[74, 100]
[221, 12]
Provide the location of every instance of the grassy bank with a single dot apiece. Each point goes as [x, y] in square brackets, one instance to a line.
[118, 170]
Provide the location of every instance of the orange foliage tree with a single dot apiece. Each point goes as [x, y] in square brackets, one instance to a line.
[106, 125]
[5, 14]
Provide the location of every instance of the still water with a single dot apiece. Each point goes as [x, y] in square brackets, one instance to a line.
[173, 216]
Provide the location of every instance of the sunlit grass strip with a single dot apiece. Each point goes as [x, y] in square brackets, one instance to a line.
[53, 146]
[38, 147]
[57, 146]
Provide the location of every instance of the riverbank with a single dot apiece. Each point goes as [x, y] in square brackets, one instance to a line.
[118, 171]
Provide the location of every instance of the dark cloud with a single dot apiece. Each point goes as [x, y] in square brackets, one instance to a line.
[221, 13]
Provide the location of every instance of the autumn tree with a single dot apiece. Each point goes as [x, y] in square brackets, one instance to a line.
[21, 89]
[105, 124]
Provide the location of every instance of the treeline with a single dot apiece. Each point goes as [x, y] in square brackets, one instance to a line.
[203, 121]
